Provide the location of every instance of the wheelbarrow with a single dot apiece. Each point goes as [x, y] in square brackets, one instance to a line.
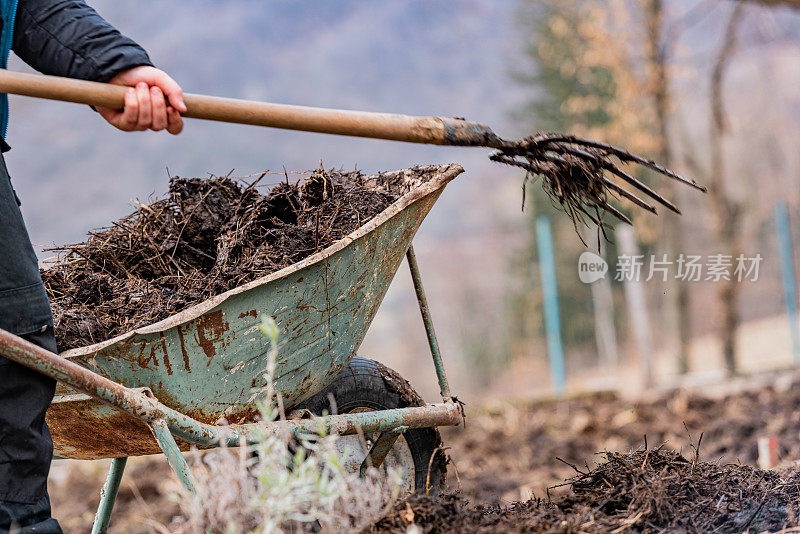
[188, 380]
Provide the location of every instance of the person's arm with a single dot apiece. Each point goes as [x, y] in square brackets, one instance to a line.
[68, 38]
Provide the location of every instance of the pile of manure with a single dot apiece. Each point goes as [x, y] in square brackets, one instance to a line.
[207, 236]
[649, 490]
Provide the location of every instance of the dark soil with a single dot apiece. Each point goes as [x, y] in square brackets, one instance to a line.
[510, 464]
[655, 490]
[206, 237]
[143, 499]
[507, 453]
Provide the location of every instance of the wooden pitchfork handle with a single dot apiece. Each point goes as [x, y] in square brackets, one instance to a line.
[431, 130]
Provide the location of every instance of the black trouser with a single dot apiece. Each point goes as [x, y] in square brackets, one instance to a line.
[26, 449]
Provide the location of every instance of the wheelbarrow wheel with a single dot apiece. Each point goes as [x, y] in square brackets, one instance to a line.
[367, 385]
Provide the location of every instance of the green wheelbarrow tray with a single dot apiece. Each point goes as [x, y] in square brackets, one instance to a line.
[191, 377]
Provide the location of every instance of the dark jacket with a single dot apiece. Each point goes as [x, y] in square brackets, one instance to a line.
[64, 38]
[67, 38]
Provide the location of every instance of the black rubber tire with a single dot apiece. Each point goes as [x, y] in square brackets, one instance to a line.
[369, 384]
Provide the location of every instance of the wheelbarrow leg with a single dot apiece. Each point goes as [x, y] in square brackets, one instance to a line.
[108, 496]
[174, 457]
[444, 387]
[380, 449]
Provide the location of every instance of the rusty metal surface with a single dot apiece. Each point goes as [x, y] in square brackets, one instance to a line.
[208, 362]
[88, 429]
[103, 431]
[108, 423]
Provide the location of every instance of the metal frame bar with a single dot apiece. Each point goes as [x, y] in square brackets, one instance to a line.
[108, 496]
[175, 459]
[427, 320]
[380, 449]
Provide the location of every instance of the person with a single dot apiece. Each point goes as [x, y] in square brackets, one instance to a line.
[63, 38]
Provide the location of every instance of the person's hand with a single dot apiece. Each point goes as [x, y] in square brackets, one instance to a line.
[145, 105]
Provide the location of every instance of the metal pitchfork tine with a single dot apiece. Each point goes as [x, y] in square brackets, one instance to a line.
[550, 146]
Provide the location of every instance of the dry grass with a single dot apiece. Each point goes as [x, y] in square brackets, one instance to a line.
[282, 485]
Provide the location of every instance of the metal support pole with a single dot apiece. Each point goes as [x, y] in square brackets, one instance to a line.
[788, 276]
[108, 496]
[380, 449]
[174, 457]
[428, 321]
[552, 320]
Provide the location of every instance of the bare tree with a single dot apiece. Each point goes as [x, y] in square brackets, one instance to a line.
[659, 84]
[726, 210]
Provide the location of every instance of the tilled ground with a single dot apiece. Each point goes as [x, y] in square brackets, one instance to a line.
[508, 453]
[511, 462]
[653, 490]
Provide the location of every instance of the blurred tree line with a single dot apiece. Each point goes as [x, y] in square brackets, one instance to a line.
[606, 70]
[585, 76]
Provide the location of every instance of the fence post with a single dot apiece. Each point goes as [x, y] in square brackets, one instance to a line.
[788, 275]
[603, 306]
[637, 309]
[552, 321]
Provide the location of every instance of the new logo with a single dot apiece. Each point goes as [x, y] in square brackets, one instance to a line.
[591, 267]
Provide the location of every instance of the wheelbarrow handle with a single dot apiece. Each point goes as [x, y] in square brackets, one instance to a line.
[59, 368]
[149, 410]
[431, 130]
